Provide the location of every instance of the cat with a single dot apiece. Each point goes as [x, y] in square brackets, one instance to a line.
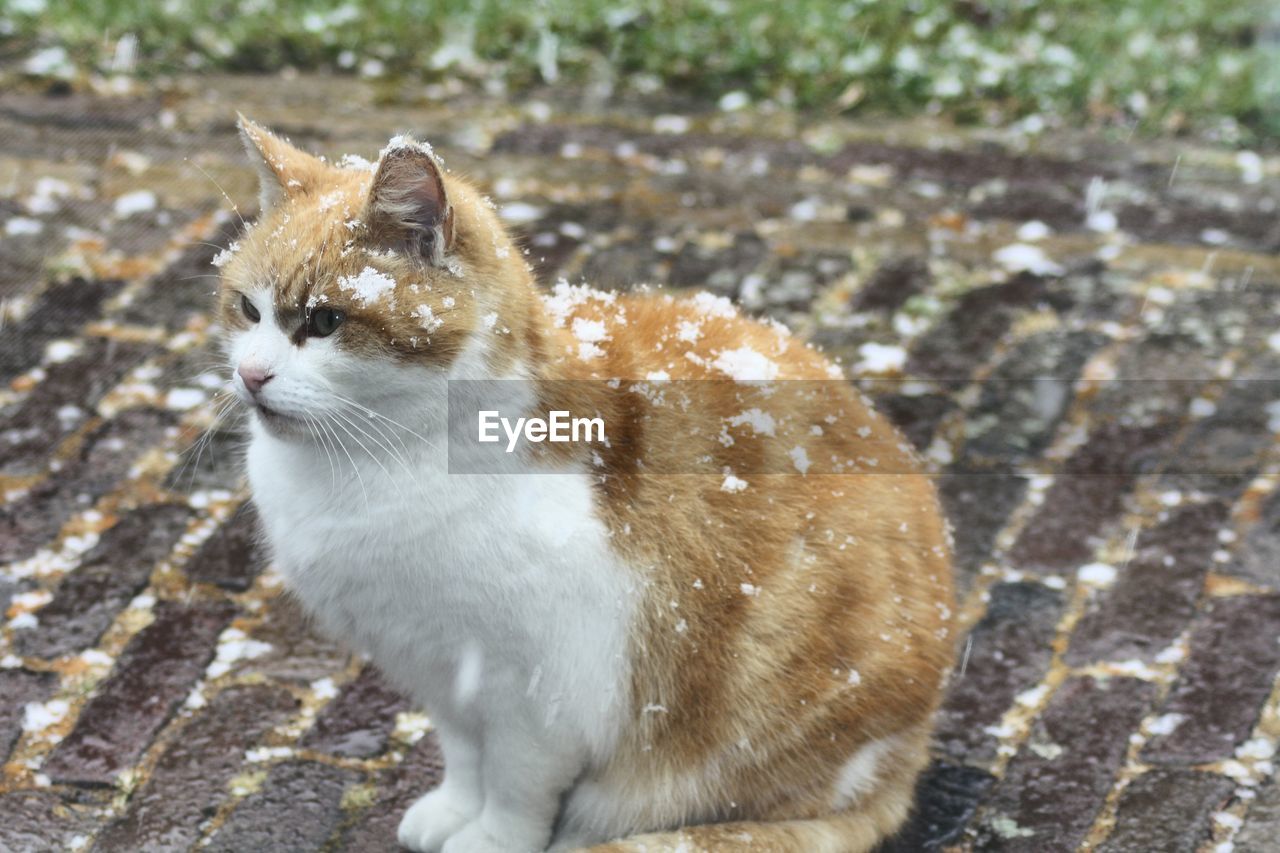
[681, 639]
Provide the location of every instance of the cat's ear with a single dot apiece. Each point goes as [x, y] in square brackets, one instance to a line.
[408, 206]
[283, 171]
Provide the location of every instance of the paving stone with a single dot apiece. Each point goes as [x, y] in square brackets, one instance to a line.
[101, 463]
[1262, 822]
[946, 799]
[1221, 688]
[186, 288]
[1056, 784]
[1167, 810]
[1024, 399]
[962, 340]
[154, 673]
[1007, 652]
[917, 415]
[17, 688]
[297, 808]
[62, 401]
[358, 722]
[233, 556]
[1222, 452]
[397, 786]
[978, 506]
[1257, 558]
[190, 780]
[1088, 492]
[892, 284]
[118, 568]
[59, 312]
[40, 820]
[298, 652]
[215, 461]
[1155, 595]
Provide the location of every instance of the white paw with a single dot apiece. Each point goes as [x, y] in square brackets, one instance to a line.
[476, 837]
[432, 819]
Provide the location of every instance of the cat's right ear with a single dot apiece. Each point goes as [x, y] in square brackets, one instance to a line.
[283, 170]
[408, 206]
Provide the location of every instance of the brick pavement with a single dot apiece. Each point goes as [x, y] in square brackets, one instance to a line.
[1101, 403]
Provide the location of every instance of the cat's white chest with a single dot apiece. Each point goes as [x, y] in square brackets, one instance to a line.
[467, 590]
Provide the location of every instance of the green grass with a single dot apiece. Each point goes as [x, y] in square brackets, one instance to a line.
[1164, 65]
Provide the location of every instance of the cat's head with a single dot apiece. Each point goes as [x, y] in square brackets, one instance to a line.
[361, 280]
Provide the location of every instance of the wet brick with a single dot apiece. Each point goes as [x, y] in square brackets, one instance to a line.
[946, 799]
[34, 427]
[233, 556]
[978, 505]
[965, 337]
[59, 312]
[1262, 823]
[1227, 677]
[100, 463]
[1155, 595]
[398, 786]
[917, 416]
[1052, 801]
[298, 653]
[1167, 810]
[190, 780]
[1025, 398]
[1088, 493]
[358, 722]
[183, 290]
[1008, 652]
[152, 676]
[213, 461]
[297, 808]
[1257, 558]
[1222, 452]
[17, 688]
[118, 568]
[41, 820]
[892, 284]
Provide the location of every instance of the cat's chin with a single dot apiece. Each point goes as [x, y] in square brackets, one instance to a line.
[279, 425]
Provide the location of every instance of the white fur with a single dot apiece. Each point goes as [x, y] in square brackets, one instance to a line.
[859, 775]
[494, 600]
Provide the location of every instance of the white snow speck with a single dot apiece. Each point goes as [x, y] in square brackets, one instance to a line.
[881, 358]
[589, 331]
[734, 101]
[1165, 724]
[761, 423]
[745, 365]
[1097, 574]
[1019, 257]
[518, 213]
[20, 226]
[671, 124]
[183, 399]
[733, 484]
[369, 286]
[224, 257]
[750, 589]
[138, 201]
[714, 306]
[427, 318]
[1250, 165]
[41, 715]
[1029, 232]
[490, 320]
[799, 458]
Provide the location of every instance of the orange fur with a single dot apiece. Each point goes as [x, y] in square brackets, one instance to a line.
[786, 624]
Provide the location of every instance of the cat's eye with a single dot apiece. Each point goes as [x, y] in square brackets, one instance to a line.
[323, 321]
[247, 306]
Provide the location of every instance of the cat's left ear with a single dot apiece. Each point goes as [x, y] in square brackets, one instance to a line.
[283, 170]
[408, 205]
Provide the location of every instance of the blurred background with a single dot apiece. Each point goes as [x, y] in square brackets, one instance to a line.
[1042, 235]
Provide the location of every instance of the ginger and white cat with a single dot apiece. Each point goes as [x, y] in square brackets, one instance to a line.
[616, 655]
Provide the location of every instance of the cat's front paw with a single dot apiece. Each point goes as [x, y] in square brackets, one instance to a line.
[432, 819]
[477, 837]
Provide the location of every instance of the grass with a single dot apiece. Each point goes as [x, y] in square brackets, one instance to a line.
[1203, 65]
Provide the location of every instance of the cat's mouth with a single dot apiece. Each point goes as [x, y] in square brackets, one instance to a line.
[274, 418]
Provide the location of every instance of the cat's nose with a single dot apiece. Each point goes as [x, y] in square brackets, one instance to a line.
[254, 377]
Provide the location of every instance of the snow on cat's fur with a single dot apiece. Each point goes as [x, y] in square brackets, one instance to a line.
[714, 660]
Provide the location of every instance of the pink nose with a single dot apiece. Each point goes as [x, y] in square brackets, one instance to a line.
[254, 377]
